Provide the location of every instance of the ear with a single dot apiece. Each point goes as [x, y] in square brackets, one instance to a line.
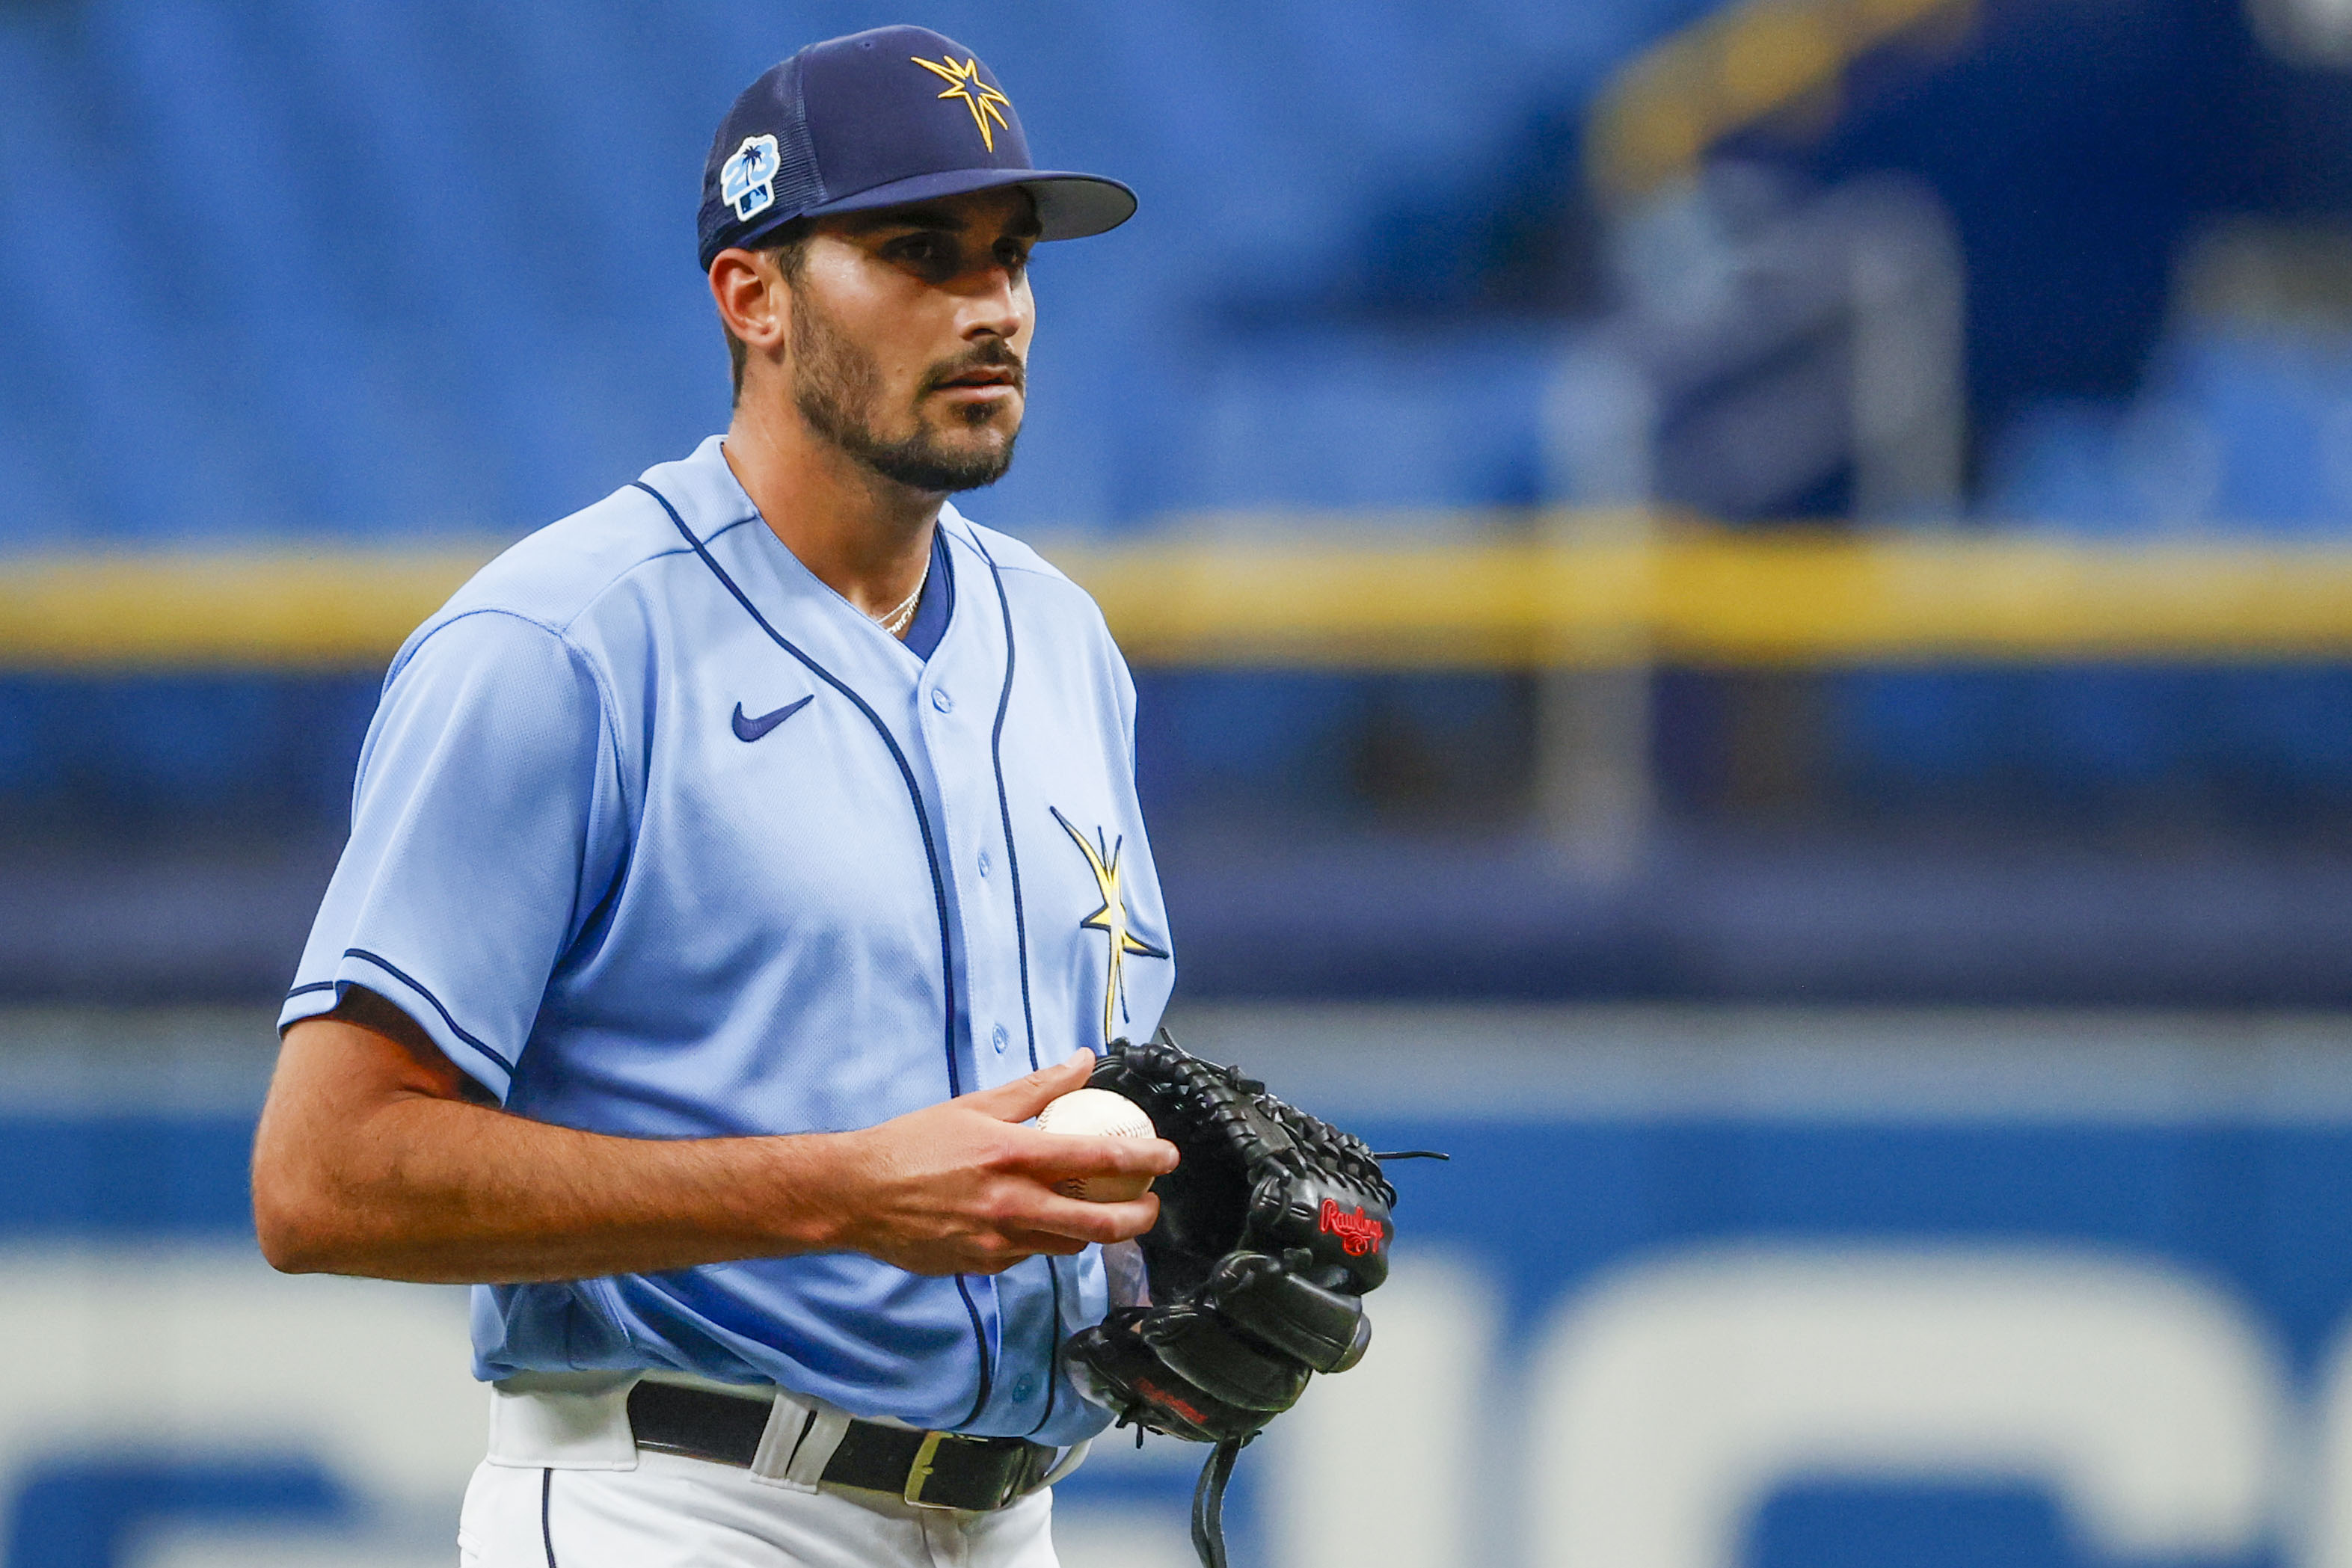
[752, 298]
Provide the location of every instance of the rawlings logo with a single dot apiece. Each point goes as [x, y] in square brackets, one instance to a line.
[1183, 1407]
[1359, 1232]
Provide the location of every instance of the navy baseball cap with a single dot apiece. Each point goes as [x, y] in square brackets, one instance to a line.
[874, 119]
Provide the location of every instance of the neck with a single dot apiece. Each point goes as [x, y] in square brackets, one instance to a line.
[864, 536]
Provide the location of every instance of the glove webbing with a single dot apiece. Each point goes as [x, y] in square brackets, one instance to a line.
[1343, 1154]
[1209, 1501]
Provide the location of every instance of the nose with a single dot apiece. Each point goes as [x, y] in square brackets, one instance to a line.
[997, 306]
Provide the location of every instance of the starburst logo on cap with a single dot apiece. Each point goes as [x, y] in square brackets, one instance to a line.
[963, 81]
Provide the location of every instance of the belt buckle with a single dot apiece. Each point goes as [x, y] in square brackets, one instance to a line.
[919, 1473]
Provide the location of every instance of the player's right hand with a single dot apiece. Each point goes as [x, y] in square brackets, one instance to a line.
[962, 1187]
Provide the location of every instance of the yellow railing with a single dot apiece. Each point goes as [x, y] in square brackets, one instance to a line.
[277, 612]
[1695, 596]
[1715, 599]
[1752, 62]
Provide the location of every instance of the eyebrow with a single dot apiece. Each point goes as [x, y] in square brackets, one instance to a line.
[940, 220]
[901, 218]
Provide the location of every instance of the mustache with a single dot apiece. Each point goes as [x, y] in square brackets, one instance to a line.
[990, 354]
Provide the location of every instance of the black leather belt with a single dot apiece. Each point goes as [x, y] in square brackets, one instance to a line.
[930, 1469]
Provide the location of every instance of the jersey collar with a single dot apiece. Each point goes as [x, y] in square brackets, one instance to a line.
[715, 503]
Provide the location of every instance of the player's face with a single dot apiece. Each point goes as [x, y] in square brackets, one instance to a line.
[911, 336]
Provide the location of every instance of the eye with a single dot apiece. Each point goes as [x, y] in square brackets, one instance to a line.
[933, 255]
[1012, 255]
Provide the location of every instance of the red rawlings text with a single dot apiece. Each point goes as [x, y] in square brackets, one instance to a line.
[1183, 1407]
[1359, 1232]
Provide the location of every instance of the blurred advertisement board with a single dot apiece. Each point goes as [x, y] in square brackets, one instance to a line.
[1699, 1290]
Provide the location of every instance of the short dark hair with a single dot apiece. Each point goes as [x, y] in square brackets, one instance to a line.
[789, 246]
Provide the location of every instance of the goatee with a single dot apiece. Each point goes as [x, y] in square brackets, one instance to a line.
[836, 387]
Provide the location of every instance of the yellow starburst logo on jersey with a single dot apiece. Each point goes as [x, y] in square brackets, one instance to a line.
[1112, 920]
[963, 81]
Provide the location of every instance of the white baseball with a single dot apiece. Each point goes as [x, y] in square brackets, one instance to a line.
[1098, 1113]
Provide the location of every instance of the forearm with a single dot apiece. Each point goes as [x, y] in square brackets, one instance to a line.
[441, 1190]
[376, 1156]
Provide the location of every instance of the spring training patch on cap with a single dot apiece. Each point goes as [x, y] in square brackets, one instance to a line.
[986, 103]
[747, 181]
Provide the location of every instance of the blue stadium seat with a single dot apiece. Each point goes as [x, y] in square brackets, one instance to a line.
[373, 271]
[2235, 435]
[381, 268]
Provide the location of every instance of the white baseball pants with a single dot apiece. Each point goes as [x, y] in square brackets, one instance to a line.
[677, 1512]
[565, 1485]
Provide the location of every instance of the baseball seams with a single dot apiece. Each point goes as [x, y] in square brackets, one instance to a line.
[1098, 1113]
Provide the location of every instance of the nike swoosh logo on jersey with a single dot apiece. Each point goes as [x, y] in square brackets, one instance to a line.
[748, 729]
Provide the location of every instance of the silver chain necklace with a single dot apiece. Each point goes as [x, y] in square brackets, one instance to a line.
[896, 622]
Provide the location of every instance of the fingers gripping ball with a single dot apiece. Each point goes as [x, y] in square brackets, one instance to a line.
[1098, 1113]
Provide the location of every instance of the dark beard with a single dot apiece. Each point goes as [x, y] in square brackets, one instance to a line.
[835, 387]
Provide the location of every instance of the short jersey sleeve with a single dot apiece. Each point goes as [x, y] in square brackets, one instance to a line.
[487, 824]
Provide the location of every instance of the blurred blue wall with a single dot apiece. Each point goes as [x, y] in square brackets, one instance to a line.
[1937, 1289]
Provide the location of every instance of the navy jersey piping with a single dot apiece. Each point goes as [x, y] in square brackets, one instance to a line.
[1054, 1343]
[415, 985]
[546, 1504]
[313, 986]
[1004, 806]
[931, 853]
[1021, 941]
[906, 773]
[979, 1339]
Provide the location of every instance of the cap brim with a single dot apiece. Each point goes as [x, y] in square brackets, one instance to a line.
[1069, 206]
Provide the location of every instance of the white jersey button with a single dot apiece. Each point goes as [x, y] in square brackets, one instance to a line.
[941, 701]
[984, 862]
[999, 1039]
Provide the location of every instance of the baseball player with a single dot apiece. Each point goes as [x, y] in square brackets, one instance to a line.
[735, 866]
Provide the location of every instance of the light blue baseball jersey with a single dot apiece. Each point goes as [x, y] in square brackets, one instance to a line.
[657, 835]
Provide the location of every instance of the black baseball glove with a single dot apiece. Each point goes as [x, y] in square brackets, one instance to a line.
[1269, 1233]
